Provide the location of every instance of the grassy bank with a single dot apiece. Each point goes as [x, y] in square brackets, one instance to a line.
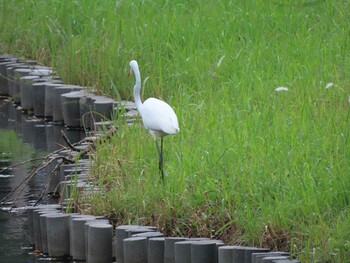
[250, 165]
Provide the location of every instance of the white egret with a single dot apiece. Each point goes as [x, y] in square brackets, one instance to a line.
[157, 116]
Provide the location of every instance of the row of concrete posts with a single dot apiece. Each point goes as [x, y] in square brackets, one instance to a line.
[93, 239]
[40, 92]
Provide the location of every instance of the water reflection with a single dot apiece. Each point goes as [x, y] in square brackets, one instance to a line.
[23, 138]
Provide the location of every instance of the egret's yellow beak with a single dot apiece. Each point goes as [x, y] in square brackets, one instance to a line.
[130, 73]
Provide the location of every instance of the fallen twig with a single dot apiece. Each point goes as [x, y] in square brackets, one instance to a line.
[53, 173]
[70, 145]
[20, 164]
[59, 154]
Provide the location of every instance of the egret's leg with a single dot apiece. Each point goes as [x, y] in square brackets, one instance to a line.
[160, 154]
[161, 158]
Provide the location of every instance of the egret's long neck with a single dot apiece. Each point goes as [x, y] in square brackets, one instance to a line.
[137, 89]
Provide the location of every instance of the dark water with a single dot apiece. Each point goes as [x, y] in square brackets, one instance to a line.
[23, 138]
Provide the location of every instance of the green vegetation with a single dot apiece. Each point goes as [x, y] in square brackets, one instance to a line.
[13, 150]
[250, 165]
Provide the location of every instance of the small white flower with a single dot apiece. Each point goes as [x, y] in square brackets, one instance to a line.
[281, 89]
[203, 157]
[220, 60]
[330, 84]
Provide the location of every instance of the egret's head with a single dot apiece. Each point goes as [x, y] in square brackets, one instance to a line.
[133, 66]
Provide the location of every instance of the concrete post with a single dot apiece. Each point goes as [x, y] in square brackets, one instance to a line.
[135, 250]
[242, 253]
[273, 259]
[27, 92]
[169, 248]
[137, 230]
[183, 251]
[49, 99]
[86, 110]
[149, 234]
[248, 251]
[203, 252]
[121, 233]
[57, 116]
[87, 229]
[36, 226]
[257, 257]
[10, 75]
[78, 248]
[103, 107]
[21, 72]
[225, 254]
[71, 108]
[4, 90]
[43, 98]
[43, 229]
[100, 243]
[58, 235]
[31, 224]
[72, 216]
[156, 250]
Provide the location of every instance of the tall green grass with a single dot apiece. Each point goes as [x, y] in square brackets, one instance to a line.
[250, 165]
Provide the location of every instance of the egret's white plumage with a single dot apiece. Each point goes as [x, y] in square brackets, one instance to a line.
[157, 116]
